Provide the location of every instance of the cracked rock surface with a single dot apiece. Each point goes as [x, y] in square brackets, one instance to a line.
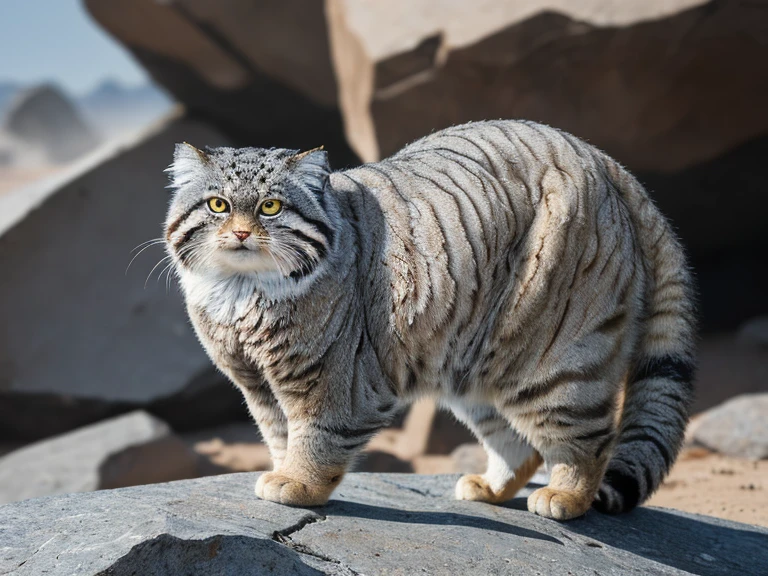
[374, 524]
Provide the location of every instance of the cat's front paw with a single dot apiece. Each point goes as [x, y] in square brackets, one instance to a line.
[277, 487]
[558, 504]
[474, 487]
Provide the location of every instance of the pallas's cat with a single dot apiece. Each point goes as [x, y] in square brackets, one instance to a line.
[510, 270]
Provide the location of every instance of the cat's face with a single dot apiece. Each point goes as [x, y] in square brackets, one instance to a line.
[248, 212]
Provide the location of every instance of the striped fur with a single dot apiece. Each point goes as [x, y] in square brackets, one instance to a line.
[511, 270]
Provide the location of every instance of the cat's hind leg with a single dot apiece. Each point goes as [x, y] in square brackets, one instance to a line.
[511, 460]
[574, 432]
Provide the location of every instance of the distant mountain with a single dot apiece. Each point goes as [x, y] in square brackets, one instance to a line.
[113, 108]
[44, 122]
[8, 91]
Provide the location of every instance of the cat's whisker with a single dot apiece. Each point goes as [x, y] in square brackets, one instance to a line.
[152, 243]
[155, 268]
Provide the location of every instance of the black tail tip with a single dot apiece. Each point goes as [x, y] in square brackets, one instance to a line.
[620, 492]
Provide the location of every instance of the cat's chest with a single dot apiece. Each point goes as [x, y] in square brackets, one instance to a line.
[247, 342]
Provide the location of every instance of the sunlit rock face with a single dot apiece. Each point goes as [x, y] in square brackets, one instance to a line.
[672, 89]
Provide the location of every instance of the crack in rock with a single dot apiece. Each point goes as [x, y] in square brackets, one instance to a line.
[426, 493]
[284, 537]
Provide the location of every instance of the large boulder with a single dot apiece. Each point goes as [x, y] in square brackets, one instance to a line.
[260, 71]
[44, 118]
[671, 89]
[129, 450]
[738, 427]
[375, 524]
[82, 339]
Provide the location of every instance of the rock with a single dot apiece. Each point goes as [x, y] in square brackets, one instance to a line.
[375, 524]
[447, 434]
[739, 427]
[729, 365]
[235, 447]
[82, 338]
[377, 461]
[470, 459]
[44, 118]
[260, 71]
[755, 331]
[129, 450]
[434, 464]
[668, 88]
[425, 430]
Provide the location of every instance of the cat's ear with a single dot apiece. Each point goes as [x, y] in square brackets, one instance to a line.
[312, 167]
[190, 165]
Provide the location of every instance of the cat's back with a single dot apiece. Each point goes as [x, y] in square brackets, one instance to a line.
[478, 222]
[489, 167]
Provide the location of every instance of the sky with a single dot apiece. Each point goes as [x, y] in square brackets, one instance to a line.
[57, 40]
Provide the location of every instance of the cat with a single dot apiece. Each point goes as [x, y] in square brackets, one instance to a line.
[510, 270]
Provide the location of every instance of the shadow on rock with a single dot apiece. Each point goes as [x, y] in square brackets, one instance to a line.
[691, 544]
[168, 555]
[383, 514]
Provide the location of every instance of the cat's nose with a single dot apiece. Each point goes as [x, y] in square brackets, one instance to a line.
[241, 234]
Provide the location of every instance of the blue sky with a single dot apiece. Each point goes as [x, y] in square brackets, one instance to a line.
[44, 40]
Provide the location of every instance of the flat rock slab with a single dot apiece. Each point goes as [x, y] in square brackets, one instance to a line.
[375, 524]
[128, 450]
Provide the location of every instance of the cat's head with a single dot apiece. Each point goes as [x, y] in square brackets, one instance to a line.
[249, 211]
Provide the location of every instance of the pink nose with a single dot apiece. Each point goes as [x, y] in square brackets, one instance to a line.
[241, 234]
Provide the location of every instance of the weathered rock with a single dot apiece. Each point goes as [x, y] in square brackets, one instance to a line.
[668, 88]
[129, 450]
[377, 461]
[755, 331]
[375, 524]
[470, 459]
[235, 447]
[729, 365]
[739, 427]
[261, 71]
[82, 339]
[394, 71]
[44, 118]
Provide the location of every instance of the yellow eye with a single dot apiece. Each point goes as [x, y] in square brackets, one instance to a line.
[218, 205]
[271, 207]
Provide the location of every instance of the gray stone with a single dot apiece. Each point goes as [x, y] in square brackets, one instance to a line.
[755, 331]
[261, 71]
[470, 458]
[728, 365]
[129, 450]
[669, 88]
[739, 427]
[84, 339]
[387, 73]
[375, 524]
[44, 118]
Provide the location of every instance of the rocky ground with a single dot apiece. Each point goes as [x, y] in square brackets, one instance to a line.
[375, 524]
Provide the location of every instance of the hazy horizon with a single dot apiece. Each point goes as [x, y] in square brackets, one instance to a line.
[56, 41]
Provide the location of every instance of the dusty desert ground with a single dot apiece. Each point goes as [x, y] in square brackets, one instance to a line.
[707, 483]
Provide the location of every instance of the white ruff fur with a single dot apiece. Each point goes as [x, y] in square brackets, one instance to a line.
[228, 298]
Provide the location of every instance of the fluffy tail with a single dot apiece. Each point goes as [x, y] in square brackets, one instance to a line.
[659, 392]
